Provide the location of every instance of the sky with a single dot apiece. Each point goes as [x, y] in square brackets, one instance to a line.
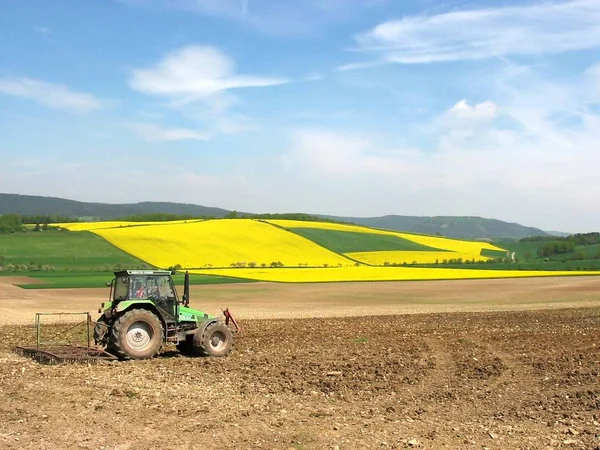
[340, 107]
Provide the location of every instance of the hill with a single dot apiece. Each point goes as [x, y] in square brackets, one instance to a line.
[449, 226]
[37, 205]
[455, 227]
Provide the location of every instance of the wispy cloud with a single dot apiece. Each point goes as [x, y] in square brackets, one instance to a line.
[533, 29]
[592, 76]
[193, 73]
[52, 95]
[154, 133]
[272, 17]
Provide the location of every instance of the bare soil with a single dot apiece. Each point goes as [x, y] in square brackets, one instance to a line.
[527, 377]
[282, 300]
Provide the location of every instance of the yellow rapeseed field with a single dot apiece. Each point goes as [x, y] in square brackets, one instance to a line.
[454, 245]
[365, 273]
[214, 246]
[410, 257]
[219, 243]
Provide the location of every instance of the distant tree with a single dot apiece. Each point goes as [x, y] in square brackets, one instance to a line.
[556, 248]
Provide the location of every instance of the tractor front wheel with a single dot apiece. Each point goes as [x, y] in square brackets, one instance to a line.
[215, 340]
[137, 334]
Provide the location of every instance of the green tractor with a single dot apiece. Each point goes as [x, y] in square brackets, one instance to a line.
[144, 312]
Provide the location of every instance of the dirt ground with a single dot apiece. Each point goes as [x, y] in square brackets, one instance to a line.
[282, 300]
[377, 378]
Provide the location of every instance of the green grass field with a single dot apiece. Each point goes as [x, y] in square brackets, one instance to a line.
[60, 280]
[493, 253]
[351, 241]
[529, 251]
[64, 250]
[522, 249]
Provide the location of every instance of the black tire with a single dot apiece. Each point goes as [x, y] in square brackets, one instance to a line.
[137, 334]
[215, 340]
[100, 330]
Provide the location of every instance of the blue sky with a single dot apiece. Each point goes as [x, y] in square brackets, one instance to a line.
[340, 107]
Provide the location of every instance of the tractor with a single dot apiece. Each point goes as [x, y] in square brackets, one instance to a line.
[144, 312]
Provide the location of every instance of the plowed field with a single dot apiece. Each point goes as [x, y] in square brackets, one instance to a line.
[488, 379]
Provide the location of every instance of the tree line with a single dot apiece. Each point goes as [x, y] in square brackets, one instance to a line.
[558, 245]
[166, 217]
[12, 223]
[577, 239]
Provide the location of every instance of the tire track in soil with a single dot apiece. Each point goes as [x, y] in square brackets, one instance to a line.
[437, 384]
[503, 369]
[443, 365]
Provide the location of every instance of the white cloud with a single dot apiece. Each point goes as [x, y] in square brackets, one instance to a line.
[193, 73]
[155, 133]
[198, 82]
[482, 111]
[532, 29]
[52, 95]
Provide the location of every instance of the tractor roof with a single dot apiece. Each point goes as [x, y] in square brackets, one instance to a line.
[142, 272]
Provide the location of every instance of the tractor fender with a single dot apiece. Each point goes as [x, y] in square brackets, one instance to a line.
[127, 304]
[198, 333]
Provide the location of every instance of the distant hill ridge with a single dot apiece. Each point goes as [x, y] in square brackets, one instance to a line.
[38, 205]
[450, 226]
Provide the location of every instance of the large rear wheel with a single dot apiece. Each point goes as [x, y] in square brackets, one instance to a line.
[215, 340]
[137, 334]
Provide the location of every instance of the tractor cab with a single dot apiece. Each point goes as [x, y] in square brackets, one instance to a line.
[143, 284]
[153, 285]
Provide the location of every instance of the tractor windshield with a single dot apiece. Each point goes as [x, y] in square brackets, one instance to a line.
[152, 287]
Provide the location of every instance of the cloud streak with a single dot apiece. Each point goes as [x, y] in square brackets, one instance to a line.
[535, 29]
[193, 73]
[155, 133]
[56, 96]
[275, 17]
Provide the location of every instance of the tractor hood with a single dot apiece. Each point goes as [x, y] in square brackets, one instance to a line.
[186, 313]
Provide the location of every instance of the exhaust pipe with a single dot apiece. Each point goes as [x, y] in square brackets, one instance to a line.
[186, 289]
